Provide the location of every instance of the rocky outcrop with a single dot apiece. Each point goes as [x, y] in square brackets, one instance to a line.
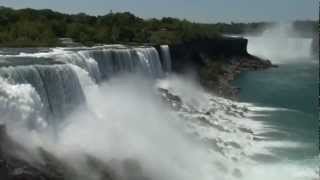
[219, 80]
[217, 61]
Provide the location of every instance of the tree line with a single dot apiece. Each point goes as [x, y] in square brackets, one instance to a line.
[30, 27]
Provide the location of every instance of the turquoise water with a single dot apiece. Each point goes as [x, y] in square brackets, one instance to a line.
[292, 88]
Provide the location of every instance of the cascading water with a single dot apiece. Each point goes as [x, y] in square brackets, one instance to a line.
[57, 86]
[20, 105]
[171, 127]
[112, 61]
[83, 60]
[166, 56]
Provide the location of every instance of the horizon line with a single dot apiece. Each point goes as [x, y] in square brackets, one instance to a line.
[158, 18]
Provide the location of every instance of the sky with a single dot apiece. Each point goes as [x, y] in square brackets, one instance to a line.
[194, 10]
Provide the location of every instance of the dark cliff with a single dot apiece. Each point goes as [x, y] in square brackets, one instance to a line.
[216, 61]
[197, 52]
[315, 45]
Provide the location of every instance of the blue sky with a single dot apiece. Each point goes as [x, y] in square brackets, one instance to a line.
[194, 10]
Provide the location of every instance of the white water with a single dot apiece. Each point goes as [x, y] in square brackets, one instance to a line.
[19, 103]
[278, 45]
[207, 138]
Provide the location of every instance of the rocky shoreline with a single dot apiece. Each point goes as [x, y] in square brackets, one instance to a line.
[234, 68]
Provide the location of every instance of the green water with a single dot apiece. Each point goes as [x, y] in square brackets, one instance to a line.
[294, 86]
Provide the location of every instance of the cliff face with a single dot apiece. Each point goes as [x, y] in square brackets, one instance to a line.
[195, 53]
[216, 61]
[315, 46]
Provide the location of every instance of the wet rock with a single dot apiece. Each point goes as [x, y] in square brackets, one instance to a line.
[237, 173]
[214, 143]
[53, 167]
[14, 167]
[221, 167]
[174, 101]
[101, 168]
[233, 144]
[133, 170]
[208, 113]
[235, 159]
[257, 139]
[247, 130]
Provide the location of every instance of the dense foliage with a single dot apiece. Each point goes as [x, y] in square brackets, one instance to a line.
[29, 27]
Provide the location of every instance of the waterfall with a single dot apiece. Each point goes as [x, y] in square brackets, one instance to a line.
[83, 60]
[127, 120]
[113, 61]
[57, 86]
[280, 47]
[149, 60]
[105, 63]
[20, 104]
[60, 87]
[166, 57]
[279, 44]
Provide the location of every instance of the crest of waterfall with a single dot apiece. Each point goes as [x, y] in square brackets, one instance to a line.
[149, 60]
[104, 63]
[83, 60]
[166, 58]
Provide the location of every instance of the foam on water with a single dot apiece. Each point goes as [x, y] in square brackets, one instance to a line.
[19, 104]
[202, 137]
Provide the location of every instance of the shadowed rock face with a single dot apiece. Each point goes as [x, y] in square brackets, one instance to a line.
[194, 53]
[315, 46]
[216, 61]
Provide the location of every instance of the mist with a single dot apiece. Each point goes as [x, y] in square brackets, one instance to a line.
[279, 43]
[125, 120]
